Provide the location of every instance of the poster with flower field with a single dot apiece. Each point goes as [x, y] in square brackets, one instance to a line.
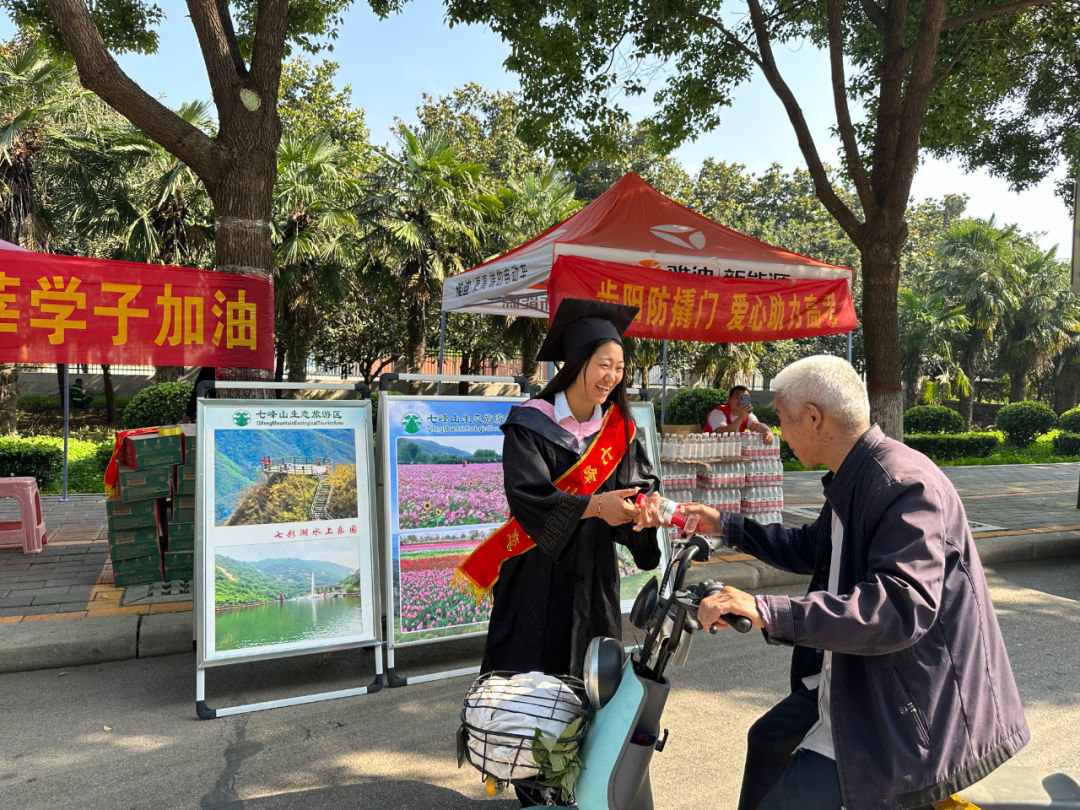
[443, 489]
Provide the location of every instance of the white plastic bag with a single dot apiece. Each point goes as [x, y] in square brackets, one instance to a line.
[510, 710]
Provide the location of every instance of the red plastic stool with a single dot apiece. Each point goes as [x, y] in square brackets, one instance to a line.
[29, 530]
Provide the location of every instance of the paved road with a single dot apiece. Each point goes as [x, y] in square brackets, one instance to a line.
[124, 734]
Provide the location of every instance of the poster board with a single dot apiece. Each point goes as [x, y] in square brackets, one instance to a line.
[443, 495]
[286, 529]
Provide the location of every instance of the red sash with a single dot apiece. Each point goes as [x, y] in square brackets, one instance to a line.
[480, 570]
[111, 472]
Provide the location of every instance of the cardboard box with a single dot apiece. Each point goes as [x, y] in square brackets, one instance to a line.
[188, 433]
[172, 574]
[142, 485]
[131, 565]
[181, 531]
[181, 544]
[133, 549]
[147, 450]
[179, 559]
[183, 509]
[122, 515]
[183, 480]
[138, 578]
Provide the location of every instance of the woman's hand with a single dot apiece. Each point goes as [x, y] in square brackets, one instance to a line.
[611, 507]
[648, 513]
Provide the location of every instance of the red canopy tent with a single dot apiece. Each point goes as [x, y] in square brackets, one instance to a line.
[693, 278]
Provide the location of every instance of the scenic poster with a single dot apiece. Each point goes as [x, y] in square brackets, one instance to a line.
[288, 527]
[444, 495]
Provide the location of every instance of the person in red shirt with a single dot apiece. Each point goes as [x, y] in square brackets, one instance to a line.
[736, 415]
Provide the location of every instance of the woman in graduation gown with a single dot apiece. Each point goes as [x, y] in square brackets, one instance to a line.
[551, 600]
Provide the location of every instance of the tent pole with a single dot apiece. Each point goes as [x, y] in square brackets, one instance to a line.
[67, 414]
[849, 345]
[663, 382]
[442, 346]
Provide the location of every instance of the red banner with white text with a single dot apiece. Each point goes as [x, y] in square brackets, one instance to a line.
[67, 309]
[685, 306]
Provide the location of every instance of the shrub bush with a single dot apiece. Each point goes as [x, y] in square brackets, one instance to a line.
[947, 446]
[161, 404]
[932, 419]
[1066, 443]
[103, 453]
[30, 457]
[690, 407]
[34, 403]
[767, 415]
[1022, 422]
[1070, 421]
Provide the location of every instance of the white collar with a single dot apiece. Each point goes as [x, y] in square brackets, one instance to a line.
[562, 409]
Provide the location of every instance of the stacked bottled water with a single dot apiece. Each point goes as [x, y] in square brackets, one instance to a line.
[762, 495]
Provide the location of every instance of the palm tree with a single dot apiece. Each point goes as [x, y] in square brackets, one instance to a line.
[426, 218]
[132, 200]
[725, 364]
[313, 224]
[979, 276]
[36, 91]
[927, 332]
[1043, 322]
[531, 206]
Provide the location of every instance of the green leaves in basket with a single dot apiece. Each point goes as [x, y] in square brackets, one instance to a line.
[559, 759]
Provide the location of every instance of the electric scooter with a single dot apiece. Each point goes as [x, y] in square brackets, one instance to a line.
[624, 697]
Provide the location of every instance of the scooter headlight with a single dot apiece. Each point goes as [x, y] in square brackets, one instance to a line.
[604, 659]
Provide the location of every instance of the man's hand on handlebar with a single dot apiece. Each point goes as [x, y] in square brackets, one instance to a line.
[727, 600]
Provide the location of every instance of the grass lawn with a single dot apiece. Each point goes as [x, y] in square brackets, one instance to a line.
[85, 472]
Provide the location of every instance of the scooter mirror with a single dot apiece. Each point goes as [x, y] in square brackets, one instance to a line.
[645, 605]
[604, 658]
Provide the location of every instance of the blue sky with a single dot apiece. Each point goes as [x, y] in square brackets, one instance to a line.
[390, 63]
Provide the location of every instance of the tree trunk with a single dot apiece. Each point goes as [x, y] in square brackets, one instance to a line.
[530, 345]
[464, 368]
[9, 398]
[966, 400]
[416, 334]
[881, 330]
[1018, 385]
[110, 395]
[911, 388]
[167, 373]
[297, 355]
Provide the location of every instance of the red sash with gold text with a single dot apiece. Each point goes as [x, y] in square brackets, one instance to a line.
[480, 569]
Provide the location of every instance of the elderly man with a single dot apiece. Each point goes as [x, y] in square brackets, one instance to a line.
[902, 693]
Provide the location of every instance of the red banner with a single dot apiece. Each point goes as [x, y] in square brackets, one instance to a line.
[683, 306]
[65, 309]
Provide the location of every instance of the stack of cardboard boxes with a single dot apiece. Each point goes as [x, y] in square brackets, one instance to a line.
[179, 548]
[152, 515]
[136, 512]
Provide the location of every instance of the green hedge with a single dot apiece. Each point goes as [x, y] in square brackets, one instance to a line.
[1066, 443]
[161, 404]
[1070, 421]
[945, 446]
[30, 457]
[1023, 422]
[690, 407]
[932, 419]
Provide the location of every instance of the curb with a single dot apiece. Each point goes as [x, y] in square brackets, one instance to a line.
[93, 640]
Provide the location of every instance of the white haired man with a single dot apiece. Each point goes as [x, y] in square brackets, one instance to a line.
[902, 692]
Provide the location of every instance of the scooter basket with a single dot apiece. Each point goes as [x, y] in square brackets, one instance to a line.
[504, 712]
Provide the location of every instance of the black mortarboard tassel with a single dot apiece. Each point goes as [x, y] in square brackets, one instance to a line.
[580, 322]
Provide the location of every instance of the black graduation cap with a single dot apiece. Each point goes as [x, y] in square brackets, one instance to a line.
[580, 322]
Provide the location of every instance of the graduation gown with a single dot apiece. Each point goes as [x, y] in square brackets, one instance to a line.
[549, 602]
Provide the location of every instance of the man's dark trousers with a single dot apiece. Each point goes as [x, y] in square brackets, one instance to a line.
[771, 744]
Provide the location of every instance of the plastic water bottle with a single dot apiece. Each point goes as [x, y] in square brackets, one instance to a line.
[671, 514]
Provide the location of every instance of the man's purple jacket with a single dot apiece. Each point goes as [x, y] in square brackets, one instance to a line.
[923, 698]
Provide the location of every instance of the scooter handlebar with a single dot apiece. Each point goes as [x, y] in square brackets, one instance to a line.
[711, 586]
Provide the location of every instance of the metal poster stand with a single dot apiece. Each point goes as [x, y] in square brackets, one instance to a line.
[459, 418]
[326, 419]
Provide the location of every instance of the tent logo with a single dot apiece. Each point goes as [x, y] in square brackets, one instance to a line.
[681, 235]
